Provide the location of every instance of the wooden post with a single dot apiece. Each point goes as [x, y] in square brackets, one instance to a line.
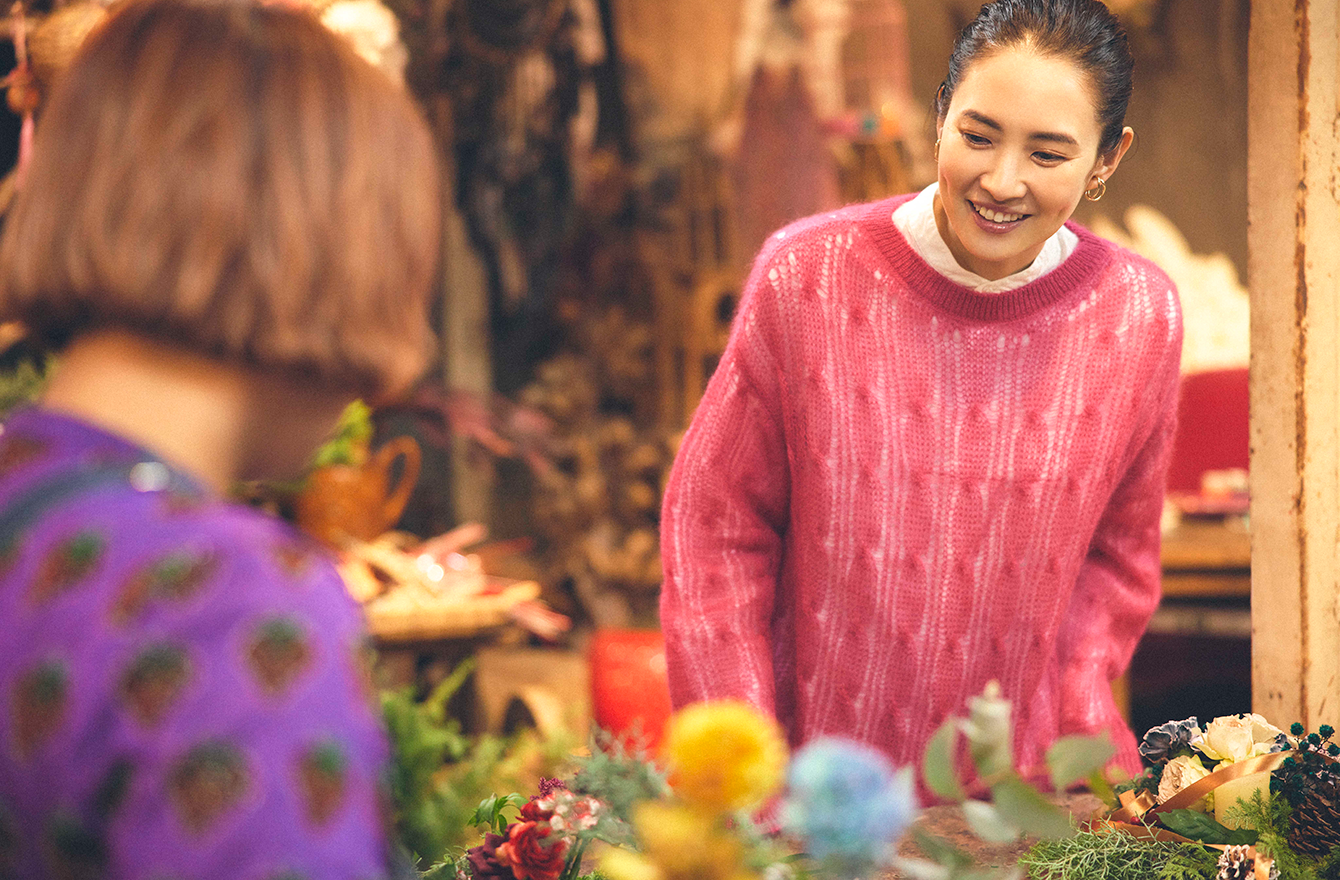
[1294, 275]
[467, 364]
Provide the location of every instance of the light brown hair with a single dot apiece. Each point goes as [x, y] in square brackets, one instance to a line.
[232, 178]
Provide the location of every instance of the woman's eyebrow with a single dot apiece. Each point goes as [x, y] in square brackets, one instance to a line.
[1051, 136]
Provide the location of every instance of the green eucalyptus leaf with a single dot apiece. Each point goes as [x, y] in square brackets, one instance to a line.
[1027, 808]
[1099, 785]
[1202, 827]
[1075, 758]
[987, 822]
[940, 851]
[937, 765]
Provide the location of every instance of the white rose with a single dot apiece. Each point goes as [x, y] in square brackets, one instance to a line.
[1178, 774]
[1263, 734]
[1227, 739]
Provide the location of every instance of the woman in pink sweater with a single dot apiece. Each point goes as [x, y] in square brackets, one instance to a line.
[933, 453]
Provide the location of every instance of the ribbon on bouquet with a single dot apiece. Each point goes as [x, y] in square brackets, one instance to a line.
[1201, 787]
[1137, 809]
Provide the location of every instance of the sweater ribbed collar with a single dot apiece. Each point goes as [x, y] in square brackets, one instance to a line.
[1072, 278]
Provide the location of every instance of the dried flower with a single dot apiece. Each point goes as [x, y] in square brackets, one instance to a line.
[724, 755]
[847, 803]
[1165, 741]
[1178, 774]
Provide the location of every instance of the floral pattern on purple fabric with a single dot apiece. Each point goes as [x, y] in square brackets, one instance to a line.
[207, 782]
[278, 654]
[154, 681]
[175, 577]
[182, 696]
[39, 705]
[322, 770]
[69, 562]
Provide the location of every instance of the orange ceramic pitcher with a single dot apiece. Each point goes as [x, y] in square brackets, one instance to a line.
[341, 502]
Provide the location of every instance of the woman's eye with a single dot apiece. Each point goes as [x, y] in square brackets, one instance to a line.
[1048, 158]
[976, 140]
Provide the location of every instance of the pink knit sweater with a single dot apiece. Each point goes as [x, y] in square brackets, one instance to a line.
[896, 489]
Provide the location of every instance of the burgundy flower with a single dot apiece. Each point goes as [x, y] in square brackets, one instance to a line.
[529, 854]
[532, 811]
[485, 863]
[549, 786]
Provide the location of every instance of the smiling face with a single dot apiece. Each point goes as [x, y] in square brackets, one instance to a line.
[1018, 148]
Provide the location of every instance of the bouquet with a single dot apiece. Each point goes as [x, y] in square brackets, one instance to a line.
[1265, 803]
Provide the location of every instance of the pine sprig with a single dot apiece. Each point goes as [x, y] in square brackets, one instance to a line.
[1117, 856]
[621, 777]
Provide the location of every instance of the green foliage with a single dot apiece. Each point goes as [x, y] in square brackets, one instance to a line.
[350, 442]
[1015, 808]
[24, 383]
[428, 815]
[1073, 759]
[621, 777]
[1116, 856]
[440, 775]
[1029, 811]
[496, 813]
[1202, 827]
[1268, 815]
[937, 766]
[1329, 868]
[1147, 782]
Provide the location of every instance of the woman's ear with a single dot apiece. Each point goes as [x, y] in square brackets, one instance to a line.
[1108, 162]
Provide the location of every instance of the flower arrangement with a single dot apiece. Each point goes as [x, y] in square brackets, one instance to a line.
[1234, 798]
[1211, 768]
[726, 801]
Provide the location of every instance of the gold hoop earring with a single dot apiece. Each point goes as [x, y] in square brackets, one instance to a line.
[936, 151]
[1097, 191]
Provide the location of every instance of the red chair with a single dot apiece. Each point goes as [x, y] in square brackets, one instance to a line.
[1212, 430]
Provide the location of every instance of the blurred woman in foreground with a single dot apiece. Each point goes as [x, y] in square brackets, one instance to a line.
[228, 230]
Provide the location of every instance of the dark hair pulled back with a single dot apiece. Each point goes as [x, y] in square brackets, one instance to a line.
[1083, 31]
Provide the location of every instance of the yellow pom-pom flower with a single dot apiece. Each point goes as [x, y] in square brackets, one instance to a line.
[724, 755]
[678, 843]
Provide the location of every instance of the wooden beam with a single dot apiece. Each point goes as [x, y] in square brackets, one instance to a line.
[1294, 276]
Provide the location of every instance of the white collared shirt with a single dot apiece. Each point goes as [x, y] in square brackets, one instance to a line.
[915, 219]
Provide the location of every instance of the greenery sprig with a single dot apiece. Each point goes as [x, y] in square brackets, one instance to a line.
[1115, 856]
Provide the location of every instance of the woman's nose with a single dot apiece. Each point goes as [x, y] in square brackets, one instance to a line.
[1002, 181]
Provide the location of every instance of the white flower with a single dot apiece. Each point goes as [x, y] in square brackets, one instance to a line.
[988, 730]
[1178, 774]
[1235, 738]
[1264, 735]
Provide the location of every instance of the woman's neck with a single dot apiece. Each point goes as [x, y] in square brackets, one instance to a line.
[219, 421]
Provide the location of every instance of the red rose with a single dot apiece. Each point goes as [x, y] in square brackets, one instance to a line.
[531, 811]
[529, 855]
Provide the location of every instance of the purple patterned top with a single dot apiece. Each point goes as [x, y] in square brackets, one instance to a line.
[179, 676]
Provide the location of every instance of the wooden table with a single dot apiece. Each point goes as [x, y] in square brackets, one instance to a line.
[1208, 558]
[421, 641]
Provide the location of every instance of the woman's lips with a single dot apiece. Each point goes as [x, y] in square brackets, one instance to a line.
[986, 218]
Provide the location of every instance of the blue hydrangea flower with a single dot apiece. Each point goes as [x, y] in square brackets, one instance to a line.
[848, 804]
[1168, 740]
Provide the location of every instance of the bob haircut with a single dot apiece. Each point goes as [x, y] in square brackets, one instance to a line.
[231, 178]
